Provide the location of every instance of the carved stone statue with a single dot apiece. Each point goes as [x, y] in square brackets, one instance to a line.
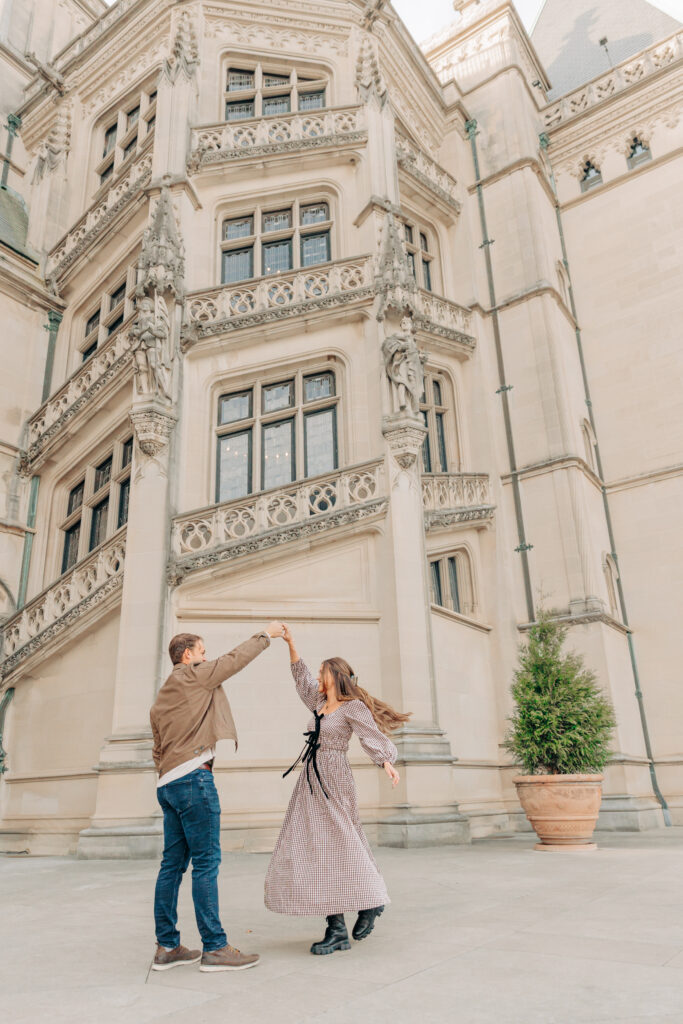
[404, 364]
[150, 334]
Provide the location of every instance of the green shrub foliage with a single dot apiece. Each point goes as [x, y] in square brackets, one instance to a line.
[562, 721]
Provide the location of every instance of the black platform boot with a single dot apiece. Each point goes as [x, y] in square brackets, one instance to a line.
[336, 936]
[365, 922]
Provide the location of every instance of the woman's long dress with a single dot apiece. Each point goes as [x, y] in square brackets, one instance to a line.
[322, 863]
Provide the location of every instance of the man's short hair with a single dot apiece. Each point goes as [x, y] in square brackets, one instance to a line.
[179, 644]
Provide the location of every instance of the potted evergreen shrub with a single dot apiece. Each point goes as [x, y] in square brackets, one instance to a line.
[559, 732]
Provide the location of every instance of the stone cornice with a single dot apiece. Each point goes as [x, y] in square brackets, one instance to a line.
[19, 281]
[582, 619]
[552, 465]
[441, 519]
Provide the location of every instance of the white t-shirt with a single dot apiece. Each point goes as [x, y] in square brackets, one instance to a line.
[187, 766]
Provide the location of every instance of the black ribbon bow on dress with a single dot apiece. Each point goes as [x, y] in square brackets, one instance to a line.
[308, 755]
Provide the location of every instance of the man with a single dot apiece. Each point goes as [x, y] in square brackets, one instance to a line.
[191, 713]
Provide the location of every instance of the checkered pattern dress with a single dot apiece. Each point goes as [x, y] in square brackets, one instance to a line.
[322, 863]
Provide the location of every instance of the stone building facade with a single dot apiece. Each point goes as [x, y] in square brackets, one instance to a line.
[302, 321]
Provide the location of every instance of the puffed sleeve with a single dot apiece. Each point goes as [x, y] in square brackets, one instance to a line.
[306, 686]
[376, 745]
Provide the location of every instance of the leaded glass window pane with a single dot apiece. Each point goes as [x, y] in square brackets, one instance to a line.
[315, 249]
[423, 242]
[75, 498]
[103, 474]
[117, 296]
[133, 117]
[278, 454]
[124, 500]
[234, 466]
[426, 447]
[270, 81]
[98, 523]
[453, 578]
[277, 256]
[276, 105]
[315, 213]
[72, 538]
[130, 148]
[238, 265]
[320, 442]
[441, 442]
[278, 396]
[236, 407]
[435, 581]
[312, 100]
[321, 385]
[408, 233]
[109, 139]
[89, 351]
[427, 274]
[115, 324]
[278, 220]
[239, 79]
[238, 111]
[106, 174]
[93, 323]
[238, 227]
[411, 263]
[127, 453]
[438, 397]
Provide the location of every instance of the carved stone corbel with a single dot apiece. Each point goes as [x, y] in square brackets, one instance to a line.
[152, 424]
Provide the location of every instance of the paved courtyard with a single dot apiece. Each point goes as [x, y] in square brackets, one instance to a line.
[489, 934]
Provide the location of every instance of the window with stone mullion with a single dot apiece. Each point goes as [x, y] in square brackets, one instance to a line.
[267, 242]
[434, 410]
[123, 131]
[101, 320]
[252, 92]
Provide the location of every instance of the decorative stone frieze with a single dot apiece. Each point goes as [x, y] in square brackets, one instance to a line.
[152, 424]
[648, 62]
[64, 604]
[450, 498]
[420, 166]
[272, 298]
[238, 528]
[299, 29]
[100, 215]
[267, 136]
[111, 365]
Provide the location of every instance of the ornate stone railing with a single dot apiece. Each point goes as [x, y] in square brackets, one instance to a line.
[215, 143]
[58, 608]
[455, 498]
[417, 163]
[443, 317]
[270, 298]
[77, 393]
[100, 214]
[628, 73]
[223, 532]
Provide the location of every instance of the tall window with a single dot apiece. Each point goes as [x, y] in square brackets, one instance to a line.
[420, 254]
[450, 581]
[434, 411]
[274, 432]
[639, 152]
[255, 91]
[266, 241]
[97, 505]
[591, 176]
[107, 312]
[609, 568]
[124, 131]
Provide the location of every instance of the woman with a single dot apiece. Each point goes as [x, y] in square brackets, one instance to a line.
[322, 862]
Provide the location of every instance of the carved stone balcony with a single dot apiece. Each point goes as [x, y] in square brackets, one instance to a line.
[444, 318]
[427, 173]
[111, 364]
[450, 498]
[65, 604]
[272, 298]
[648, 62]
[286, 133]
[95, 220]
[221, 533]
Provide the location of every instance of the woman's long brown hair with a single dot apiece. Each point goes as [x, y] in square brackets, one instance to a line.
[347, 688]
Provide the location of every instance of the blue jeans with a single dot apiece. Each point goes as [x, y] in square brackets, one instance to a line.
[192, 816]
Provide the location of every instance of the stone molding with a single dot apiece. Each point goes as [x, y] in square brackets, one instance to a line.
[648, 62]
[153, 424]
[97, 219]
[452, 498]
[443, 518]
[415, 162]
[237, 528]
[60, 606]
[268, 136]
[109, 365]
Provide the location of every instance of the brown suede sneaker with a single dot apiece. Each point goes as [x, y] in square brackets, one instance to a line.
[227, 959]
[167, 958]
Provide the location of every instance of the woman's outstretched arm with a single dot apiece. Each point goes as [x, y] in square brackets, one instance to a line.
[306, 686]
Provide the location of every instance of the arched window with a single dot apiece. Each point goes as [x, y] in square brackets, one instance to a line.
[639, 152]
[590, 177]
[451, 582]
[609, 567]
[589, 442]
[436, 409]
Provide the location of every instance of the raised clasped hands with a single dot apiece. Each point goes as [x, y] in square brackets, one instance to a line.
[275, 628]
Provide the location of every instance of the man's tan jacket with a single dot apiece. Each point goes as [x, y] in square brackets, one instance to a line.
[192, 712]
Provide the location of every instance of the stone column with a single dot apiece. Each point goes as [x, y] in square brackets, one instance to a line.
[126, 820]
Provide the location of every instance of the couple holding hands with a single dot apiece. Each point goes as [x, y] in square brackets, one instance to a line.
[322, 864]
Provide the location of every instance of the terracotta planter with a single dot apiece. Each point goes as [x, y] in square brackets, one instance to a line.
[563, 809]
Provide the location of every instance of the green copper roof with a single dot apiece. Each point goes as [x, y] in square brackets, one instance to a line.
[14, 222]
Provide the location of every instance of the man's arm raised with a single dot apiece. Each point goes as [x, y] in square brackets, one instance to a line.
[210, 674]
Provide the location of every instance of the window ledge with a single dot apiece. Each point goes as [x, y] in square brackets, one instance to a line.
[465, 620]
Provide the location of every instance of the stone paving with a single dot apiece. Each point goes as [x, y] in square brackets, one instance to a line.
[494, 933]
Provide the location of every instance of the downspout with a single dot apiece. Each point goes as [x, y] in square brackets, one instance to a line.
[545, 143]
[54, 319]
[503, 389]
[13, 125]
